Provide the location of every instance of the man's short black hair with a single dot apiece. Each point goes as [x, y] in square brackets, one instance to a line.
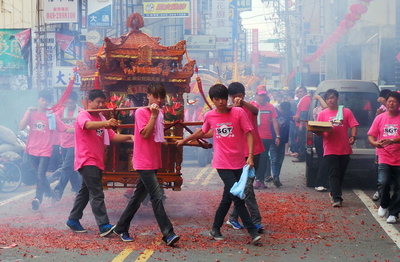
[95, 93]
[330, 92]
[45, 94]
[218, 91]
[384, 93]
[157, 90]
[235, 88]
[285, 106]
[393, 94]
[73, 96]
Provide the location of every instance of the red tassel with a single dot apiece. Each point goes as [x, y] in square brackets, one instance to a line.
[200, 86]
[96, 80]
[66, 94]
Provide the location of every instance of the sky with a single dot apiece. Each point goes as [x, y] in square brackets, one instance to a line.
[261, 18]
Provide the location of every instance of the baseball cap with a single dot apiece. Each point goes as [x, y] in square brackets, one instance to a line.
[261, 90]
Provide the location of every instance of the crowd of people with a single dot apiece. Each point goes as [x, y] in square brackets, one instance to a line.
[255, 133]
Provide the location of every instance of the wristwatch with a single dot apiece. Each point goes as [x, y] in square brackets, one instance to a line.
[278, 137]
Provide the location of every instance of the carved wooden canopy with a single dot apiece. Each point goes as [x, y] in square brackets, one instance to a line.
[135, 56]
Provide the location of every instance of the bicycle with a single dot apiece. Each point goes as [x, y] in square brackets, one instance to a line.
[10, 176]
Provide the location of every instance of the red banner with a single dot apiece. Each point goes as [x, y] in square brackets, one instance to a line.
[64, 41]
[23, 37]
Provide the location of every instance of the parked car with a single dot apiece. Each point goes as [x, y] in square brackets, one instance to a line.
[361, 98]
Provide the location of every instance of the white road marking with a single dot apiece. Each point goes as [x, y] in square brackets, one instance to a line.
[4, 202]
[391, 230]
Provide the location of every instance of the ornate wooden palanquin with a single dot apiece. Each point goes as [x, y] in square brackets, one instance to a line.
[126, 66]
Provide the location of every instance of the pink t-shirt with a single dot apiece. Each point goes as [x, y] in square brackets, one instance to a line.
[89, 144]
[40, 136]
[386, 127]
[266, 114]
[229, 134]
[67, 140]
[146, 152]
[258, 145]
[336, 142]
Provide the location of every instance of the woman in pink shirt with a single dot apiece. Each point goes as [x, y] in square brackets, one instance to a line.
[230, 126]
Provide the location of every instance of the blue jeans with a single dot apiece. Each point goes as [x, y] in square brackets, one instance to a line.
[388, 174]
[264, 168]
[277, 155]
[67, 172]
[250, 199]
[91, 190]
[148, 184]
[293, 138]
[40, 165]
[229, 177]
[336, 166]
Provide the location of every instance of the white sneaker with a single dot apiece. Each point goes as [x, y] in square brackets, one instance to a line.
[382, 212]
[321, 189]
[391, 220]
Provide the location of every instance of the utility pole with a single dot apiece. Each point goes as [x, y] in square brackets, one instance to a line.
[288, 43]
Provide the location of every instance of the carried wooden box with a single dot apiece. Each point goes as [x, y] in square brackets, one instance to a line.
[319, 126]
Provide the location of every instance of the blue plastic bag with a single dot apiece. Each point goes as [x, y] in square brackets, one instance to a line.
[238, 188]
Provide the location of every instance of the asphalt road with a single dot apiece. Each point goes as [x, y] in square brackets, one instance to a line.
[299, 225]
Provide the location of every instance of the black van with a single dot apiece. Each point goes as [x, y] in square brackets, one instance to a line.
[361, 98]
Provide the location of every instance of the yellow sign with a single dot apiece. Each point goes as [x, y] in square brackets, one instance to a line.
[166, 9]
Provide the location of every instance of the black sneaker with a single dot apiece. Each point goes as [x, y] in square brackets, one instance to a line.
[75, 226]
[124, 236]
[255, 237]
[35, 204]
[277, 183]
[269, 179]
[216, 234]
[171, 240]
[106, 229]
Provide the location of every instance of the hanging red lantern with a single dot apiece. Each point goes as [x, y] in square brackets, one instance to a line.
[352, 17]
[398, 57]
[342, 30]
[358, 9]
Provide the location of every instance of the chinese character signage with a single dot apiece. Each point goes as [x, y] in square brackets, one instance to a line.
[99, 13]
[200, 42]
[60, 11]
[244, 5]
[166, 9]
[221, 25]
[62, 75]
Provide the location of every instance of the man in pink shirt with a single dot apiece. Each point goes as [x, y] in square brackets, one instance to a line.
[42, 124]
[384, 135]
[301, 114]
[267, 115]
[237, 94]
[149, 134]
[92, 132]
[230, 127]
[68, 115]
[336, 143]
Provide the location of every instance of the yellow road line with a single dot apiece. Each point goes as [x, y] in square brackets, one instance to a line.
[209, 177]
[199, 175]
[146, 254]
[124, 254]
